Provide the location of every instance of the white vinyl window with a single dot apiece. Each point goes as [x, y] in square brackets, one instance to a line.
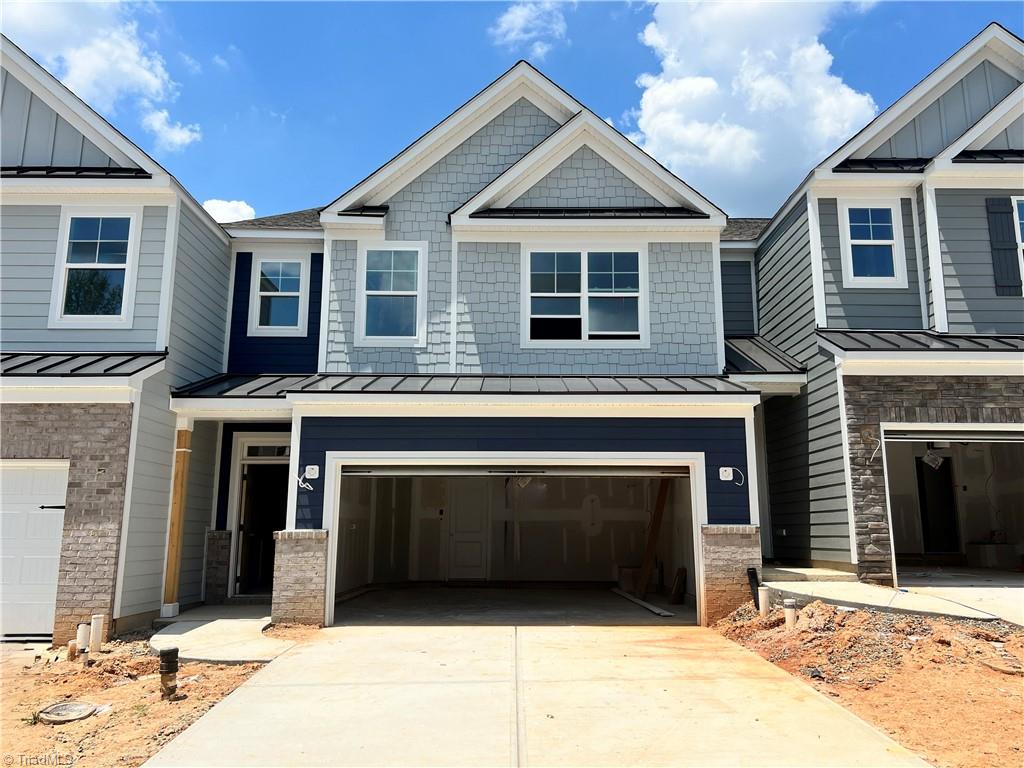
[95, 269]
[392, 295]
[279, 297]
[871, 244]
[584, 298]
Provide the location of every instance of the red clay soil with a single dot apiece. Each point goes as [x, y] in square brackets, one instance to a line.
[133, 722]
[952, 691]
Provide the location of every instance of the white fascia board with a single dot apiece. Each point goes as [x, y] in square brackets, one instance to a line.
[75, 389]
[354, 227]
[738, 245]
[992, 41]
[521, 81]
[231, 408]
[739, 408]
[55, 191]
[240, 237]
[658, 230]
[976, 176]
[986, 129]
[829, 183]
[76, 112]
[350, 399]
[772, 383]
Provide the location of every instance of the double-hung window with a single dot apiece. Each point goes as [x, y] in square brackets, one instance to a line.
[95, 268]
[392, 302]
[584, 298]
[279, 297]
[871, 241]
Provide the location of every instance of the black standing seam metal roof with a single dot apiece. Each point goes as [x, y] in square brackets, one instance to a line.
[921, 341]
[754, 355]
[990, 156]
[80, 364]
[882, 165]
[73, 172]
[279, 385]
[652, 212]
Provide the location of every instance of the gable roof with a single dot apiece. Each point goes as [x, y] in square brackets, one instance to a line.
[743, 229]
[307, 218]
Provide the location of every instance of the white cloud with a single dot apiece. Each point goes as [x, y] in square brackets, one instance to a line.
[99, 52]
[745, 102]
[193, 66]
[170, 136]
[220, 61]
[224, 211]
[533, 25]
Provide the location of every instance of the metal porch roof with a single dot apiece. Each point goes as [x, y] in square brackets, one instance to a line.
[921, 341]
[70, 364]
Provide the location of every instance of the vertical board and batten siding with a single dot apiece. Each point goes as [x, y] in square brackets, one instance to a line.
[1011, 138]
[33, 134]
[721, 440]
[806, 475]
[273, 354]
[972, 305]
[585, 180]
[946, 119]
[142, 586]
[198, 511]
[199, 303]
[738, 297]
[28, 257]
[867, 308]
[419, 212]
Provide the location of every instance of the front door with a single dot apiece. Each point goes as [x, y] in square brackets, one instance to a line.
[469, 513]
[264, 509]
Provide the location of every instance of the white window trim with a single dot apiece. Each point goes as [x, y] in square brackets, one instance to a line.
[57, 318]
[420, 339]
[899, 256]
[255, 329]
[1017, 223]
[583, 248]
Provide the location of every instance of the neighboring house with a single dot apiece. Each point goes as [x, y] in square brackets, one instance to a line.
[499, 357]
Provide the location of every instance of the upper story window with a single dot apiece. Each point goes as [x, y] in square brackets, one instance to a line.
[1018, 214]
[94, 278]
[871, 240]
[392, 301]
[279, 299]
[584, 298]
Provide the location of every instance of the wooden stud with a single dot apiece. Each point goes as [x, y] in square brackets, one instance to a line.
[647, 564]
[176, 531]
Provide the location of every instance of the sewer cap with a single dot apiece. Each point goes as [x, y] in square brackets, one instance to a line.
[66, 712]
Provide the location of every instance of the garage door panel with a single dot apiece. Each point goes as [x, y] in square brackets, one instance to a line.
[45, 525]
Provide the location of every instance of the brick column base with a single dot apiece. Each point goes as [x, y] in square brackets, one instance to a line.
[727, 551]
[218, 566]
[300, 577]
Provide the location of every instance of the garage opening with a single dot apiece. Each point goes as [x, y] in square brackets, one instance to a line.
[956, 504]
[527, 535]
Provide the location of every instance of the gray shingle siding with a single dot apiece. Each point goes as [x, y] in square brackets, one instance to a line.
[682, 317]
[867, 308]
[738, 297]
[420, 212]
[806, 475]
[971, 302]
[199, 308]
[585, 179]
[29, 237]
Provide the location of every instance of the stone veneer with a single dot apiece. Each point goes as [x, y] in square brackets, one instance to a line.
[218, 566]
[727, 552]
[94, 438]
[871, 400]
[300, 577]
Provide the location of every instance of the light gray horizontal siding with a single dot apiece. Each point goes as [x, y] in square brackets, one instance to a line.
[971, 302]
[867, 308]
[199, 309]
[738, 297]
[198, 511]
[142, 587]
[28, 253]
[585, 179]
[806, 474]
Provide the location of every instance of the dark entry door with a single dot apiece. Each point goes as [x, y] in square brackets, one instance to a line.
[263, 511]
[938, 507]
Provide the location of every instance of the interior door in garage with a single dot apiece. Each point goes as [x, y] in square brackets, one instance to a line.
[32, 498]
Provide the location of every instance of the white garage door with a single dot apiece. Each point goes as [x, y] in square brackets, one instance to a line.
[32, 497]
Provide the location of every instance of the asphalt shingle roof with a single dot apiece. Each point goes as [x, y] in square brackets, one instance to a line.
[308, 218]
[744, 229]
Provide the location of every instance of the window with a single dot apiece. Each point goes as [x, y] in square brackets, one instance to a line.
[871, 241]
[1018, 229]
[392, 305]
[279, 304]
[584, 298]
[95, 269]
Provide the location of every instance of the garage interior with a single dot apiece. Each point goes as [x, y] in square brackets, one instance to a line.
[552, 535]
[957, 509]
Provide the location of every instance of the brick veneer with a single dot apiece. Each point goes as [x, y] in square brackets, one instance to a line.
[94, 438]
[727, 551]
[300, 577]
[218, 565]
[871, 400]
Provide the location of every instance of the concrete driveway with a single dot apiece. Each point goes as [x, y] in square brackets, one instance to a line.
[526, 693]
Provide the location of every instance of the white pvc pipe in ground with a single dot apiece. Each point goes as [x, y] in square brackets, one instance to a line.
[96, 633]
[83, 637]
[762, 600]
[789, 609]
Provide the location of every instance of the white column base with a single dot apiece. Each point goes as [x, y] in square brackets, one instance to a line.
[168, 610]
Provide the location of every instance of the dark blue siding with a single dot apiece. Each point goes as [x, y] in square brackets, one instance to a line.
[722, 441]
[224, 471]
[273, 354]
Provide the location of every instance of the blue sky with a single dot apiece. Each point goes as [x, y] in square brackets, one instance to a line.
[286, 105]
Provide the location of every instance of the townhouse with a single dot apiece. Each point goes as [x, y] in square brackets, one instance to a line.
[519, 351]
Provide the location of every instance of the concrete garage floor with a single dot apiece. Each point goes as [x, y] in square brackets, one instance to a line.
[1000, 593]
[390, 687]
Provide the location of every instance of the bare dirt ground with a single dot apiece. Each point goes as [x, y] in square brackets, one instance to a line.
[952, 691]
[133, 723]
[297, 633]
